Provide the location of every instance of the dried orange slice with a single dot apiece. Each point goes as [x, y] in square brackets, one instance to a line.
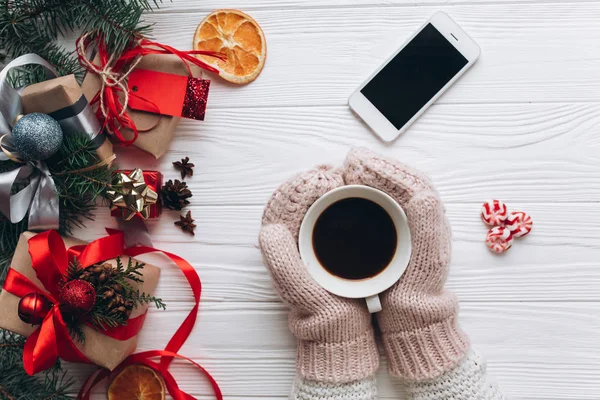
[239, 37]
[137, 382]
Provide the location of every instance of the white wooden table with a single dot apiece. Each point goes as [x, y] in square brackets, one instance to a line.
[521, 126]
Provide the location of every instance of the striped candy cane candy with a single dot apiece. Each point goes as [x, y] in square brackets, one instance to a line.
[499, 239]
[519, 223]
[494, 212]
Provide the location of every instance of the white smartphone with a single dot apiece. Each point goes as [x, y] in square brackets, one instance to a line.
[399, 91]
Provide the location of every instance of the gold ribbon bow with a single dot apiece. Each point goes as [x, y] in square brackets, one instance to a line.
[132, 195]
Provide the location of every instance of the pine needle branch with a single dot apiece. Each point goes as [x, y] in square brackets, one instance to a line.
[16, 384]
[33, 26]
[77, 332]
[103, 322]
[73, 270]
[144, 298]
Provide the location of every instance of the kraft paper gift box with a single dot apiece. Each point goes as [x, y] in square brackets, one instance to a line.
[155, 131]
[62, 98]
[98, 348]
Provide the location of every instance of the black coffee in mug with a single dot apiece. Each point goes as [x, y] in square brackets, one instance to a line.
[354, 238]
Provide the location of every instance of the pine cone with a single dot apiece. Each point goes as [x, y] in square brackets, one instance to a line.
[116, 287]
[97, 273]
[174, 195]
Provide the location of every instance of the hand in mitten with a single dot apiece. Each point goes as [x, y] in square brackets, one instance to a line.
[419, 317]
[335, 337]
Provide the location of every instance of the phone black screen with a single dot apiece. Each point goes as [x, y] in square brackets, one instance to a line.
[414, 76]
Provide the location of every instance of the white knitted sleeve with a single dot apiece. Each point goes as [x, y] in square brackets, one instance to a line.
[364, 389]
[468, 381]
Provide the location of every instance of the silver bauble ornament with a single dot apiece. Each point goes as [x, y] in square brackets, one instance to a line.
[37, 136]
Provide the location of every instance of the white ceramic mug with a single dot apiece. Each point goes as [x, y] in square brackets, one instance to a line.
[368, 288]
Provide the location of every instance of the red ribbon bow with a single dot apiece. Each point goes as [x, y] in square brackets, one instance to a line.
[50, 259]
[115, 116]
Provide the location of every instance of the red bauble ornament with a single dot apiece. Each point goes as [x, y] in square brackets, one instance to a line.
[33, 308]
[77, 297]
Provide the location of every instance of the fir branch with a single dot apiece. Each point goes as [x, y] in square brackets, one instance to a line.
[144, 298]
[132, 273]
[71, 166]
[9, 237]
[33, 26]
[103, 322]
[133, 270]
[16, 384]
[78, 188]
[5, 395]
[77, 332]
[73, 270]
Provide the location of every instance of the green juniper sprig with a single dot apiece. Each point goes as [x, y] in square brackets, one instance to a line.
[115, 294]
[144, 298]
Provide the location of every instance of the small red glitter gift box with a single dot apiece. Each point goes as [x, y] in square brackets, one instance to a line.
[135, 194]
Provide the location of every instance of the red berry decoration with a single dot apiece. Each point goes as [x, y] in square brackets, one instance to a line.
[33, 308]
[77, 297]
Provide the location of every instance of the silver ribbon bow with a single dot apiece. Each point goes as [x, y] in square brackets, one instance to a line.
[38, 193]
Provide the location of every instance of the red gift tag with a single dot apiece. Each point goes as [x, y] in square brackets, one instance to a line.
[168, 94]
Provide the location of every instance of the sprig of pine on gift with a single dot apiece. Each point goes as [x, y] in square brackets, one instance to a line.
[112, 299]
[33, 26]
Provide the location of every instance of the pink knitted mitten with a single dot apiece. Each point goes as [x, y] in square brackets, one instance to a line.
[335, 337]
[419, 318]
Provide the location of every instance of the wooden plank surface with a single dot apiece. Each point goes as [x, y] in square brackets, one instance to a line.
[521, 126]
[194, 6]
[540, 267]
[535, 349]
[318, 56]
[517, 152]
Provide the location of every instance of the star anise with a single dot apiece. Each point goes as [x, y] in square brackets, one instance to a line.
[174, 195]
[186, 223]
[186, 167]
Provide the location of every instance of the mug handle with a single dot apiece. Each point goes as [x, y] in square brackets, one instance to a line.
[373, 304]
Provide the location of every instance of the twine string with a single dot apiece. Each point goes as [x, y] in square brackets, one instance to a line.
[108, 77]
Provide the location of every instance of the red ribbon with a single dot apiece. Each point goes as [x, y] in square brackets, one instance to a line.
[116, 117]
[170, 352]
[51, 340]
